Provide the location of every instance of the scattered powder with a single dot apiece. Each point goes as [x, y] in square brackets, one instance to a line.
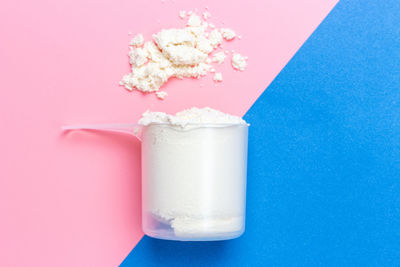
[239, 61]
[215, 38]
[228, 34]
[206, 15]
[218, 77]
[194, 21]
[182, 14]
[161, 94]
[177, 52]
[137, 40]
[219, 57]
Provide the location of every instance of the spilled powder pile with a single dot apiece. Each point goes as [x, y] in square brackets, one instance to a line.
[181, 53]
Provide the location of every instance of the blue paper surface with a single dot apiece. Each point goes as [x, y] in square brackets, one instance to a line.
[324, 155]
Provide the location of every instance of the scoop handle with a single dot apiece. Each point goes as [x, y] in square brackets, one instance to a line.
[128, 128]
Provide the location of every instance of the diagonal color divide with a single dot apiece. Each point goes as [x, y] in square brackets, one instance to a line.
[324, 150]
[74, 200]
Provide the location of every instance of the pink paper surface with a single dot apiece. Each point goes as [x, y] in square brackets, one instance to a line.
[74, 199]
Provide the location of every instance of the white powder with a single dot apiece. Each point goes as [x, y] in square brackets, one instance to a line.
[219, 57]
[161, 94]
[215, 37]
[189, 116]
[193, 176]
[239, 61]
[137, 40]
[182, 14]
[176, 52]
[218, 77]
[194, 21]
[228, 34]
[206, 15]
[138, 57]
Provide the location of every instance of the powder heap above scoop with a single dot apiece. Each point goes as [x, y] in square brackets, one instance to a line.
[184, 52]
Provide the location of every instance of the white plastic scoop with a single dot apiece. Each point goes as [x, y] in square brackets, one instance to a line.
[128, 128]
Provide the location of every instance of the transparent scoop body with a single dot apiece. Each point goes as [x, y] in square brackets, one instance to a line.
[193, 178]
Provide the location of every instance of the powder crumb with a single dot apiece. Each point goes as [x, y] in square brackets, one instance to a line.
[207, 8]
[240, 37]
[228, 34]
[239, 62]
[215, 38]
[194, 21]
[218, 77]
[129, 33]
[212, 26]
[182, 14]
[219, 57]
[212, 70]
[206, 15]
[161, 94]
[137, 40]
[226, 51]
[138, 57]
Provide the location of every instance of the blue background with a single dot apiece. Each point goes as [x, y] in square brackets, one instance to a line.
[324, 155]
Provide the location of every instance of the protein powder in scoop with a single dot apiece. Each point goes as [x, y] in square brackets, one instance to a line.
[194, 174]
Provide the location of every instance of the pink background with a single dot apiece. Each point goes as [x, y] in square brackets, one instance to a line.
[74, 199]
